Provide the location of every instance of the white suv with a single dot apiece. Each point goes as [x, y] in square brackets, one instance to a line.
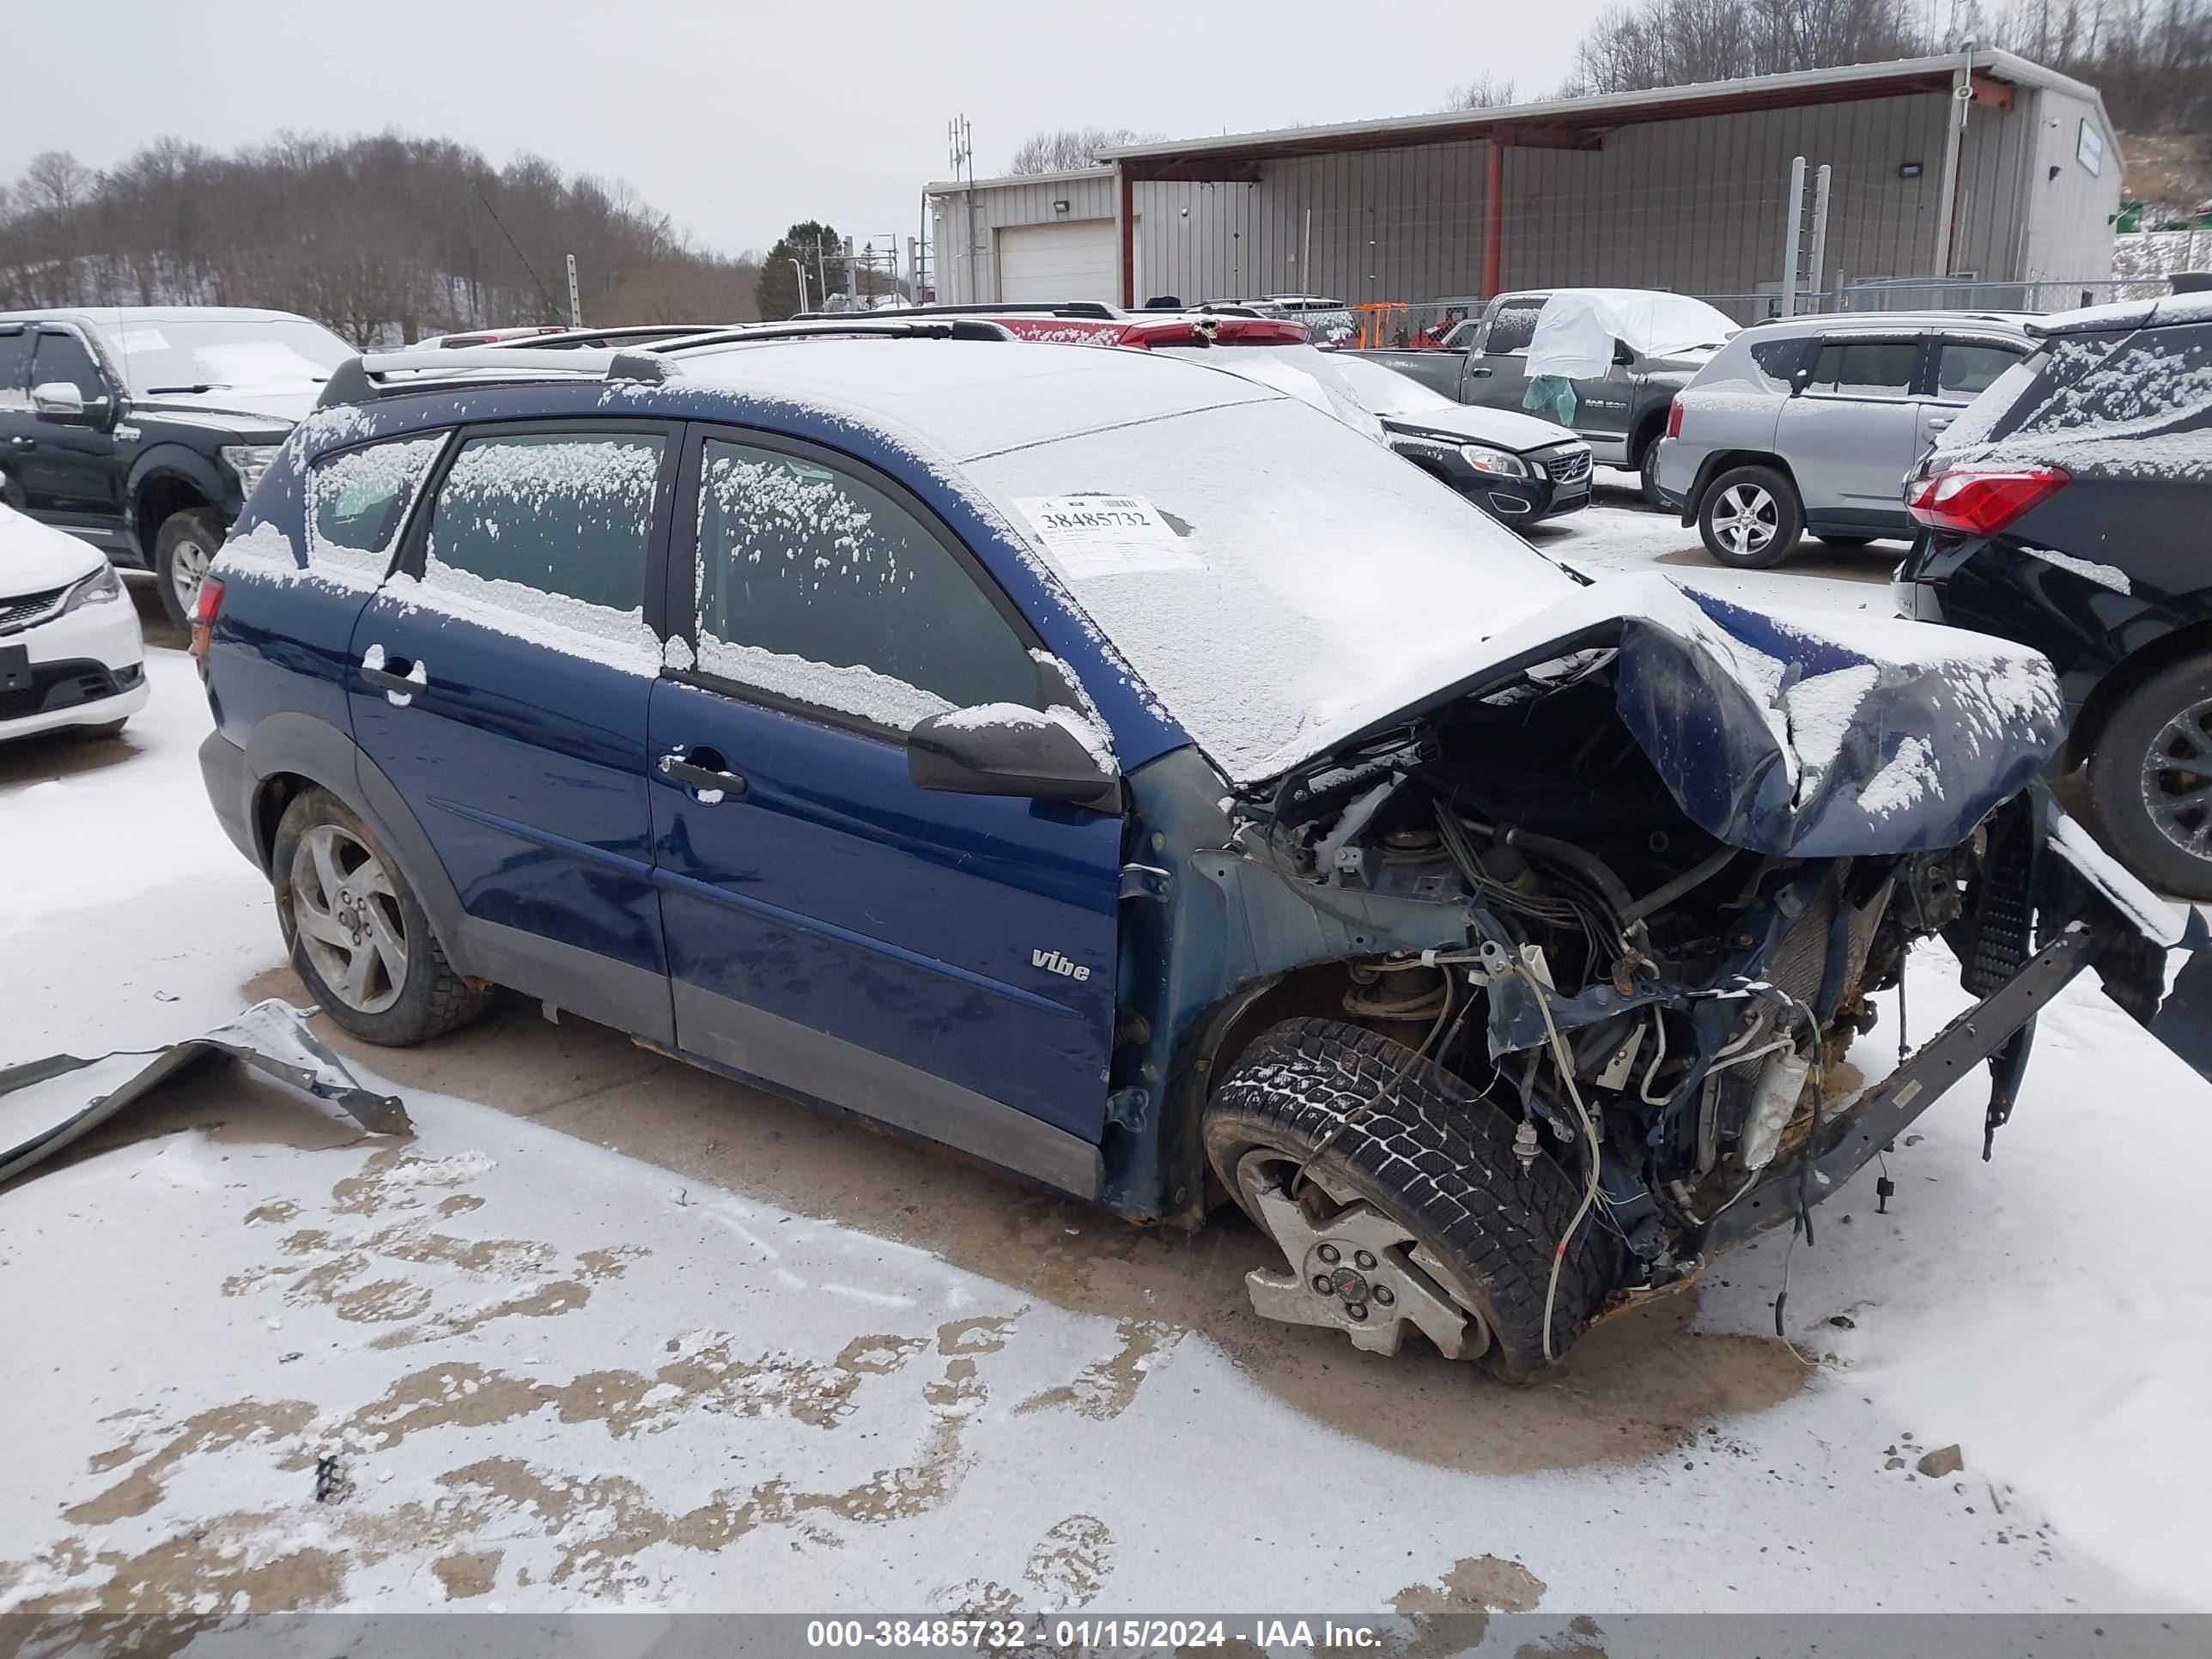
[70, 651]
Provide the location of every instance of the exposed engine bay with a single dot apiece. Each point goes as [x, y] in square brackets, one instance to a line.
[1667, 1013]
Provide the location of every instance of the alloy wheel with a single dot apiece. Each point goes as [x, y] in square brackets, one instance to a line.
[347, 914]
[2176, 781]
[1745, 518]
[188, 568]
[1352, 1267]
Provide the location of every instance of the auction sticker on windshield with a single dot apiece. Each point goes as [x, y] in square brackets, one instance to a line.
[1089, 535]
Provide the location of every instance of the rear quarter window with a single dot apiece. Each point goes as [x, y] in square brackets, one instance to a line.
[357, 500]
[1774, 361]
[2153, 380]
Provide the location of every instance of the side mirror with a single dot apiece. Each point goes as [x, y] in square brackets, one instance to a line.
[1622, 356]
[61, 403]
[1004, 749]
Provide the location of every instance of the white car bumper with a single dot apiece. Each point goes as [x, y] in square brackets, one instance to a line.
[86, 669]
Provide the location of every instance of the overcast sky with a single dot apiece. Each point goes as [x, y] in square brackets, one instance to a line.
[737, 119]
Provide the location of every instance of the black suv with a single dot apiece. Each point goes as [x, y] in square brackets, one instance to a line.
[144, 429]
[2066, 508]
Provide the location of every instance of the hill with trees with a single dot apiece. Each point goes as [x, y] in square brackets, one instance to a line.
[385, 239]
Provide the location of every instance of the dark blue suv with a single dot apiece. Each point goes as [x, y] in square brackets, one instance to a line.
[1121, 771]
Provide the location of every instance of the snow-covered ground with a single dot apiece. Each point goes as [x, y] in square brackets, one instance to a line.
[611, 1330]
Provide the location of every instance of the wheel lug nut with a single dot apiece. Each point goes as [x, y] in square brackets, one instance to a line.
[1329, 1254]
[1357, 1309]
[1321, 1285]
[1363, 1261]
[1383, 1297]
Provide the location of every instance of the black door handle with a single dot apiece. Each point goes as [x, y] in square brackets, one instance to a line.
[382, 677]
[704, 770]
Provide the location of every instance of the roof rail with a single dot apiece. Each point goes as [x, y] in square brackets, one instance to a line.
[387, 374]
[891, 326]
[570, 339]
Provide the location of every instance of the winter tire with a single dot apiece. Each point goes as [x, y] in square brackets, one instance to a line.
[357, 935]
[184, 548]
[2150, 780]
[1751, 518]
[1647, 472]
[1418, 1214]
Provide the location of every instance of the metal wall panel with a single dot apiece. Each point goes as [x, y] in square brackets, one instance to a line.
[1694, 205]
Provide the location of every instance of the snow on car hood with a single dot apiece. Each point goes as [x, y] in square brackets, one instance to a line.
[1472, 422]
[1799, 734]
[1576, 329]
[35, 558]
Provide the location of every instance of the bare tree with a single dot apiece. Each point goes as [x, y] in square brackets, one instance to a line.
[1071, 148]
[1484, 92]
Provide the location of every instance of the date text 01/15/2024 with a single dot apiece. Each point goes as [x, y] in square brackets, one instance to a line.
[1128, 1635]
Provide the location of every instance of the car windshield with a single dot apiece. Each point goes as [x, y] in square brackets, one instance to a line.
[1277, 580]
[1386, 391]
[162, 356]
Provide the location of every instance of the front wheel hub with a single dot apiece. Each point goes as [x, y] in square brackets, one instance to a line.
[1354, 1269]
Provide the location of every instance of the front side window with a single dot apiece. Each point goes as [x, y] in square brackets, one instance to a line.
[815, 586]
[1867, 369]
[63, 357]
[1513, 327]
[14, 367]
[357, 500]
[1967, 368]
[545, 534]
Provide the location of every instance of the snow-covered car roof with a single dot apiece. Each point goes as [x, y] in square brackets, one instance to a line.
[109, 316]
[968, 399]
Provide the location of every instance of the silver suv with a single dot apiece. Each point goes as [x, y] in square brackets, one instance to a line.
[1811, 423]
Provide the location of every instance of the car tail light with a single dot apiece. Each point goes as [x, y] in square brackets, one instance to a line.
[1982, 501]
[1675, 419]
[207, 606]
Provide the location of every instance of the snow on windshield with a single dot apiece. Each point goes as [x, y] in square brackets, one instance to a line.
[174, 355]
[1312, 572]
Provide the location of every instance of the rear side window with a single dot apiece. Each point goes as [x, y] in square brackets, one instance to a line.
[1867, 369]
[1777, 359]
[1513, 327]
[544, 535]
[2155, 380]
[567, 514]
[63, 357]
[816, 585]
[357, 500]
[14, 366]
[1967, 368]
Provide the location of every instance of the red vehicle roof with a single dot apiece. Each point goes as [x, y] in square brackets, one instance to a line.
[1145, 333]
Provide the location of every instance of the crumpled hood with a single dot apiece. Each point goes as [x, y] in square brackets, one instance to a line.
[1811, 734]
[1820, 735]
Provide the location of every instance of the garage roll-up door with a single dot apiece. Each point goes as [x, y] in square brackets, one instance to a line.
[1078, 260]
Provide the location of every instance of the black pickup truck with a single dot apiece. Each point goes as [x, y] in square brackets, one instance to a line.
[144, 429]
[1659, 343]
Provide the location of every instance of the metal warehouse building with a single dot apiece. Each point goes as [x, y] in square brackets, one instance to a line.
[1977, 165]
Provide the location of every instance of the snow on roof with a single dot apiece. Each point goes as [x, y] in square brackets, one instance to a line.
[970, 398]
[108, 316]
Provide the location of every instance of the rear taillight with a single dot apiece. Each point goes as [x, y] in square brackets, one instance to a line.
[1982, 501]
[207, 606]
[1675, 420]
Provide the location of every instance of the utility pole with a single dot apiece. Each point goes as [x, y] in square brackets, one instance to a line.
[960, 141]
[576, 306]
